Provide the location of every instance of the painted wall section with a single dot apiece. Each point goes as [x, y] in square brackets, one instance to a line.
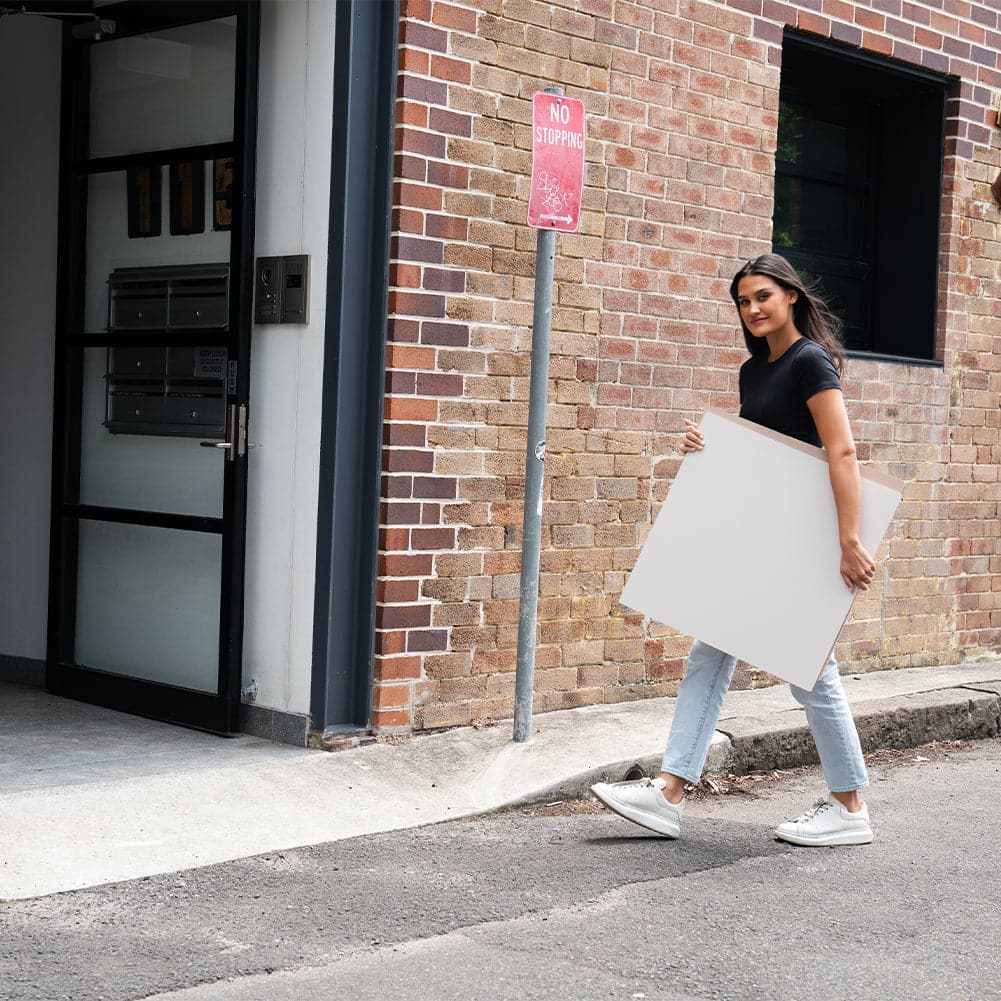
[293, 195]
[29, 175]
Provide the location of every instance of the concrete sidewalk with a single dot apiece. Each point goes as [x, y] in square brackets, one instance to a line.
[89, 796]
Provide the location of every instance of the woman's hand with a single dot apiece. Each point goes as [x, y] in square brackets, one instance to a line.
[692, 442]
[857, 566]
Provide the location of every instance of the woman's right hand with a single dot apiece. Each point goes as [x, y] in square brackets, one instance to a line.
[692, 442]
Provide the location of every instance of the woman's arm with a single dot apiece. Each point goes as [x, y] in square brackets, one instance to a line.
[831, 418]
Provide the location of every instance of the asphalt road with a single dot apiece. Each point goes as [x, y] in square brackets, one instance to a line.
[565, 902]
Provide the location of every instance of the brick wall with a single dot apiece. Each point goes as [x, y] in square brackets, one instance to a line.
[682, 100]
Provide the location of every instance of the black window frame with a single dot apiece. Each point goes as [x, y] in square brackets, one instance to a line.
[897, 115]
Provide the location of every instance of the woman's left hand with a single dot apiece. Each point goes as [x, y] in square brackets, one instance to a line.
[857, 566]
[692, 442]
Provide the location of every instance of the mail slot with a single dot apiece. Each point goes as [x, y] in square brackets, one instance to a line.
[174, 391]
[134, 408]
[172, 297]
[195, 411]
[198, 304]
[137, 362]
[145, 310]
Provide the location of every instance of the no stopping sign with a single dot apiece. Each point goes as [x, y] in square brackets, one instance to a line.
[557, 162]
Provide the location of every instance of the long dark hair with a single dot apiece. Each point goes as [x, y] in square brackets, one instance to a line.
[811, 314]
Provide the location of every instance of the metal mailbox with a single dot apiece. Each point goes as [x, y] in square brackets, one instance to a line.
[175, 297]
[172, 391]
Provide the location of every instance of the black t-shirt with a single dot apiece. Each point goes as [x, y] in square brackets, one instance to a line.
[774, 394]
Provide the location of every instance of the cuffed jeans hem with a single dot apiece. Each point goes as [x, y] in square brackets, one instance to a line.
[864, 784]
[687, 776]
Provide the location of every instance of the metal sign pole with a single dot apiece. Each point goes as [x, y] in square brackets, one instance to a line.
[535, 466]
[554, 203]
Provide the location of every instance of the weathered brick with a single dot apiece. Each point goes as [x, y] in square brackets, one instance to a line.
[682, 105]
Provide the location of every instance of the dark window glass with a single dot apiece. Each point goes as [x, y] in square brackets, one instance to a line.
[819, 215]
[858, 191]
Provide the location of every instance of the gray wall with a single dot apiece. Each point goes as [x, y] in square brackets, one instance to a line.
[29, 151]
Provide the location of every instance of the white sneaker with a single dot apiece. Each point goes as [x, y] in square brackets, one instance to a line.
[643, 803]
[827, 823]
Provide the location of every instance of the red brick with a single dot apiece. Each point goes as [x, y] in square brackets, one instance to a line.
[414, 61]
[427, 640]
[807, 21]
[446, 227]
[450, 123]
[386, 642]
[390, 719]
[403, 409]
[405, 616]
[423, 36]
[447, 175]
[397, 590]
[433, 538]
[458, 18]
[419, 89]
[397, 668]
[439, 280]
[417, 196]
[400, 565]
[411, 113]
[419, 10]
[434, 486]
[401, 382]
[439, 385]
[405, 275]
[416, 304]
[400, 514]
[407, 460]
[409, 356]
[418, 141]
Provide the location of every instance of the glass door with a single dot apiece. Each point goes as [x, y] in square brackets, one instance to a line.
[150, 458]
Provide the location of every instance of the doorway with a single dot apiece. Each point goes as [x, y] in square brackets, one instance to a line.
[152, 361]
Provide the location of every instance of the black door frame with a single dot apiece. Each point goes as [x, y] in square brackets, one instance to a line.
[365, 63]
[220, 711]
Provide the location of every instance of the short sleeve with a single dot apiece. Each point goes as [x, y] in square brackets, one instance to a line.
[815, 371]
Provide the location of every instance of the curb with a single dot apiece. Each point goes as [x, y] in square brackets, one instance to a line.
[578, 786]
[903, 721]
[781, 740]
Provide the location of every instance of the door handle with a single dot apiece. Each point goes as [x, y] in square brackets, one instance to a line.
[236, 428]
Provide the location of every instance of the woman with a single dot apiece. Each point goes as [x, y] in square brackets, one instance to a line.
[791, 384]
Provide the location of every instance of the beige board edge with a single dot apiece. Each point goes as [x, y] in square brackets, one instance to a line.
[873, 475]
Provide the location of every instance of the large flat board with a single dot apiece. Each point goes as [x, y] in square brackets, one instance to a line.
[744, 554]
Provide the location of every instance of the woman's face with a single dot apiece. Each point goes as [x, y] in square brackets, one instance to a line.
[765, 307]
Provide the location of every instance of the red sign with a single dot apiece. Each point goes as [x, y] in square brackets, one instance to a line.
[557, 162]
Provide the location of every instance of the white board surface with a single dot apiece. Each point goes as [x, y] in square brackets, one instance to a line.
[744, 554]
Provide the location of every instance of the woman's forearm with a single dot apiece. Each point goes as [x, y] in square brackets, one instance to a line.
[846, 482]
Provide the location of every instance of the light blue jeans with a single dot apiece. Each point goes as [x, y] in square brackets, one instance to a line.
[700, 700]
